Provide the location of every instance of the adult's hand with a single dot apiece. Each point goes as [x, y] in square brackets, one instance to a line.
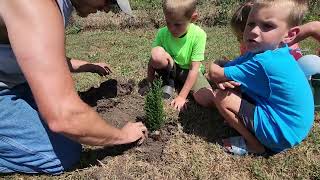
[133, 132]
[76, 65]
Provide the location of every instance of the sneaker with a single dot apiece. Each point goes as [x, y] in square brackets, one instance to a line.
[168, 89]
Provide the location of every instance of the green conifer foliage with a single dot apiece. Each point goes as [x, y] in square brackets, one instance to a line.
[155, 116]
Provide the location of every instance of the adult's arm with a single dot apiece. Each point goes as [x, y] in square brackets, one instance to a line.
[36, 34]
[78, 66]
[311, 29]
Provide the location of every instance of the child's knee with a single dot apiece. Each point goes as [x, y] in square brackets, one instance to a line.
[220, 99]
[204, 97]
[157, 53]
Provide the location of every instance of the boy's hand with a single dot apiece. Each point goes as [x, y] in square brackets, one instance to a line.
[102, 69]
[228, 84]
[179, 103]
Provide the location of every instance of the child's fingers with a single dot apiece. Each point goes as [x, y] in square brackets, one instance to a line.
[172, 103]
[228, 85]
[221, 86]
[235, 83]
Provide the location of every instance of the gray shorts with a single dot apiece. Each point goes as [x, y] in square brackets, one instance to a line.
[246, 112]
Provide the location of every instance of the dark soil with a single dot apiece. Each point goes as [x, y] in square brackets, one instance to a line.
[116, 102]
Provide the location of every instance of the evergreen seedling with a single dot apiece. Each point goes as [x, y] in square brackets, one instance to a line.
[155, 116]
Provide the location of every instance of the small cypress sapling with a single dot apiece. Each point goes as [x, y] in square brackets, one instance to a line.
[155, 116]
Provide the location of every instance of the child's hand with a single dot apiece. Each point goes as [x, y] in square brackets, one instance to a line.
[179, 103]
[102, 69]
[228, 84]
[222, 62]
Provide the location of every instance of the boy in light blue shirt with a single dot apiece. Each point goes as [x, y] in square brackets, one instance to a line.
[274, 109]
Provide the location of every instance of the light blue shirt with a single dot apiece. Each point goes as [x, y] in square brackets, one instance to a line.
[284, 111]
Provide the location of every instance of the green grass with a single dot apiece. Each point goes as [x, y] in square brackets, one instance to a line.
[224, 7]
[128, 51]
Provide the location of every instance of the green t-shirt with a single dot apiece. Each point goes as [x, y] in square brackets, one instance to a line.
[186, 49]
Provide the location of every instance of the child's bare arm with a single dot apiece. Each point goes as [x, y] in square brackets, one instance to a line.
[216, 74]
[191, 79]
[311, 29]
[179, 102]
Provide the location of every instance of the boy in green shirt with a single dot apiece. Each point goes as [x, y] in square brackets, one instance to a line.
[178, 51]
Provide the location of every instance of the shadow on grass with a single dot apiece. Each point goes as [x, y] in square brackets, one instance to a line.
[204, 122]
[108, 89]
[209, 125]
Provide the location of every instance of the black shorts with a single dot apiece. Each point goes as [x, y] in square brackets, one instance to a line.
[178, 74]
[246, 112]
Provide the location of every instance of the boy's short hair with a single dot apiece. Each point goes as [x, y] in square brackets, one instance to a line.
[239, 18]
[182, 8]
[297, 8]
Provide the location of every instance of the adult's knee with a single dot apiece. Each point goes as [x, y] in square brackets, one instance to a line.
[44, 158]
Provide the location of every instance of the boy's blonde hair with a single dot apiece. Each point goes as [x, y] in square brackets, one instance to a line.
[239, 18]
[181, 8]
[297, 9]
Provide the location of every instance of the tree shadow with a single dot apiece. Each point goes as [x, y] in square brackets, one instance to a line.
[206, 123]
[108, 89]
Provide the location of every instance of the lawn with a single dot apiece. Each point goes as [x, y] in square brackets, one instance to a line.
[189, 144]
